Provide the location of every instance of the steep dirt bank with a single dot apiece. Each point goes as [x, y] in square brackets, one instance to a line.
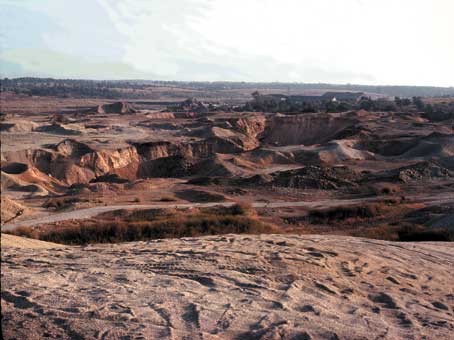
[304, 129]
[72, 162]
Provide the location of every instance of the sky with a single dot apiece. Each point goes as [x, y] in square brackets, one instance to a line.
[382, 42]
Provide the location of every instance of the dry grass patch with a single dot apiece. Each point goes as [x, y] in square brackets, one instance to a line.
[406, 232]
[152, 224]
[343, 213]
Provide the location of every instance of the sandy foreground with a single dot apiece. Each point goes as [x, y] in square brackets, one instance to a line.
[230, 287]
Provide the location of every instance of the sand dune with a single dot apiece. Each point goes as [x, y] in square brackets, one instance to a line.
[231, 287]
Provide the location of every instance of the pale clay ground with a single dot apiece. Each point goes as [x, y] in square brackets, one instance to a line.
[230, 287]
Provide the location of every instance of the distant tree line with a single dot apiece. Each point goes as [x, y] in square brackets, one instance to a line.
[440, 111]
[73, 88]
[386, 90]
[132, 88]
[435, 112]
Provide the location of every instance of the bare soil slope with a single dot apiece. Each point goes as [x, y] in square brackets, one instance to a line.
[10, 209]
[9, 241]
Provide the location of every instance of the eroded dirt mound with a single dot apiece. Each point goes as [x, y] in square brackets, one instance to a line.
[231, 287]
[333, 152]
[221, 165]
[117, 107]
[26, 184]
[434, 145]
[10, 209]
[388, 147]
[181, 166]
[58, 129]
[223, 140]
[67, 171]
[305, 129]
[265, 157]
[18, 126]
[316, 177]
[420, 171]
[159, 149]
[11, 241]
[109, 178]
[423, 170]
[199, 196]
[72, 148]
[252, 126]
[233, 145]
[173, 166]
[38, 158]
[161, 115]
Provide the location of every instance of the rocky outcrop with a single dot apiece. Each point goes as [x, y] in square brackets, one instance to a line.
[229, 287]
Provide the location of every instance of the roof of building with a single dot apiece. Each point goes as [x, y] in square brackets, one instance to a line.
[342, 95]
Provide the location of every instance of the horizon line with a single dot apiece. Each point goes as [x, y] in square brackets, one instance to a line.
[225, 81]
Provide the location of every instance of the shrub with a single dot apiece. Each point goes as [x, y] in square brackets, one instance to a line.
[59, 203]
[389, 188]
[167, 199]
[345, 212]
[174, 226]
[380, 232]
[24, 232]
[242, 208]
[406, 232]
[413, 233]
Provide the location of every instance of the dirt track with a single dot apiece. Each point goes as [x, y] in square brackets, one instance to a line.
[92, 212]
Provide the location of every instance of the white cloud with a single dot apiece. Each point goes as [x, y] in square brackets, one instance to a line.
[355, 41]
[371, 41]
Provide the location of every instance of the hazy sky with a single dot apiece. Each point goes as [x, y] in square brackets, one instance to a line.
[407, 42]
